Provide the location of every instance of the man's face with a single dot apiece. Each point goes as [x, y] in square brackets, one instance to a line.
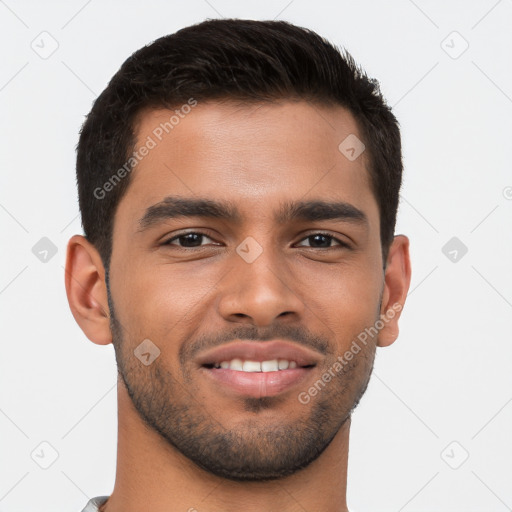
[315, 283]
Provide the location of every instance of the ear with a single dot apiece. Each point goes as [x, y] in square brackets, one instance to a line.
[397, 279]
[86, 290]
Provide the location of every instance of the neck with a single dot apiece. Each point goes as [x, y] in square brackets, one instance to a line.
[153, 475]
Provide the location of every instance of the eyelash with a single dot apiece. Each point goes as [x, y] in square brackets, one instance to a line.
[328, 235]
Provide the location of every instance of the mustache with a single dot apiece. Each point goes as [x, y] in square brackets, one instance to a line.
[299, 335]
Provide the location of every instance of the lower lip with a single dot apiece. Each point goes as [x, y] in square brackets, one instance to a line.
[258, 384]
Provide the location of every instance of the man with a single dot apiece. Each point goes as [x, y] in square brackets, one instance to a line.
[238, 184]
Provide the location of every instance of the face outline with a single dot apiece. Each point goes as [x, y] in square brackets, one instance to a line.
[188, 300]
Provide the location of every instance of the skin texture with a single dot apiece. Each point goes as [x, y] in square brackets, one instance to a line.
[184, 442]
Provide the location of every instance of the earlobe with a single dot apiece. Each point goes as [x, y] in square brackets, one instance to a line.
[86, 290]
[397, 280]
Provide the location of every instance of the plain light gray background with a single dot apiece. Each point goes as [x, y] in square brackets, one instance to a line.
[433, 431]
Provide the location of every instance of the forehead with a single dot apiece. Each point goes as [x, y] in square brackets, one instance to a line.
[257, 155]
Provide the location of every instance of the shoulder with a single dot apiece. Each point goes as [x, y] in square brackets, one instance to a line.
[94, 503]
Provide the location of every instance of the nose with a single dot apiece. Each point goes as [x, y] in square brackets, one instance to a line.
[259, 292]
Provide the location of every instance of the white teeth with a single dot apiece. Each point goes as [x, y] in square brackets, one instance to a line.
[283, 364]
[270, 366]
[251, 366]
[273, 365]
[236, 364]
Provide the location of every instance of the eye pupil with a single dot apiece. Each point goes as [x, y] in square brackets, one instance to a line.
[191, 237]
[325, 237]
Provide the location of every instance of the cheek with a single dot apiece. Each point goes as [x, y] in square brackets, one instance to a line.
[161, 300]
[344, 298]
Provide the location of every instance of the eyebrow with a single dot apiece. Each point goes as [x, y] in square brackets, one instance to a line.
[174, 207]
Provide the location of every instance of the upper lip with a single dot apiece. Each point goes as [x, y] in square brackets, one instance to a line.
[260, 351]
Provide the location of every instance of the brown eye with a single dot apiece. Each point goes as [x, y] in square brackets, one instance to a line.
[322, 241]
[187, 240]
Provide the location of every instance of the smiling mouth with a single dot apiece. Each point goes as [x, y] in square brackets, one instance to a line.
[254, 378]
[248, 366]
